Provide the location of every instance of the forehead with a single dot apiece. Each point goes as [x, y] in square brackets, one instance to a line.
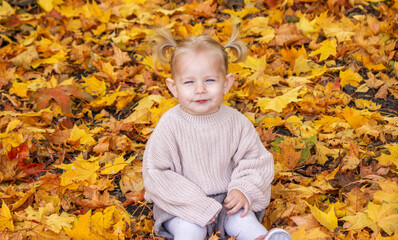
[185, 59]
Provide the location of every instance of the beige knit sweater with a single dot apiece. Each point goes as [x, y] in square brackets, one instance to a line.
[188, 158]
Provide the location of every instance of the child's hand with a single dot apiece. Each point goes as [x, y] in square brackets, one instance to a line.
[234, 201]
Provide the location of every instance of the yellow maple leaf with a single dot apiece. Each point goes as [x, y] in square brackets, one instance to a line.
[368, 63]
[47, 5]
[354, 117]
[329, 220]
[302, 191]
[300, 234]
[109, 69]
[293, 123]
[255, 64]
[307, 131]
[290, 55]
[322, 152]
[79, 170]
[362, 103]
[307, 26]
[56, 222]
[242, 13]
[36, 215]
[98, 13]
[272, 122]
[118, 164]
[13, 124]
[358, 221]
[164, 105]
[389, 192]
[349, 77]
[6, 9]
[301, 65]
[82, 228]
[384, 215]
[277, 104]
[327, 49]
[94, 86]
[6, 221]
[388, 159]
[82, 136]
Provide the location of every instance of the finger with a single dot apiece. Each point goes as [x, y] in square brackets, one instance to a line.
[246, 210]
[230, 205]
[235, 209]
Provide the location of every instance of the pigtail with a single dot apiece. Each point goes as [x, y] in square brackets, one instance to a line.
[163, 41]
[238, 47]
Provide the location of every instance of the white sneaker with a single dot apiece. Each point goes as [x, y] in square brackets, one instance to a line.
[277, 234]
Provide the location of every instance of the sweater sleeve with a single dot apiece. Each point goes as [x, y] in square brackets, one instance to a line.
[170, 190]
[254, 169]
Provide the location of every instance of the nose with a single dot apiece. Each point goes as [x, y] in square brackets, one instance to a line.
[200, 88]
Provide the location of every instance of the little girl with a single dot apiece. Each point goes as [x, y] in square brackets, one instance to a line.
[205, 168]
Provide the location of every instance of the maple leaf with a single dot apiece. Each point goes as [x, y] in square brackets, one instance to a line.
[349, 77]
[94, 199]
[62, 95]
[288, 156]
[327, 49]
[56, 222]
[277, 104]
[26, 58]
[118, 164]
[79, 137]
[132, 185]
[388, 159]
[82, 228]
[79, 170]
[6, 221]
[120, 57]
[286, 35]
[354, 117]
[384, 216]
[329, 220]
[301, 65]
[94, 86]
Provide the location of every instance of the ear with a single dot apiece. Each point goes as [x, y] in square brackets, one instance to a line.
[172, 87]
[229, 80]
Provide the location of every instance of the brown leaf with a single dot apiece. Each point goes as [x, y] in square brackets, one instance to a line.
[102, 145]
[25, 58]
[286, 35]
[62, 95]
[6, 73]
[131, 184]
[288, 156]
[120, 56]
[94, 199]
[382, 93]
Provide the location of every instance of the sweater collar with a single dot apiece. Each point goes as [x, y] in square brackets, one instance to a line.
[204, 120]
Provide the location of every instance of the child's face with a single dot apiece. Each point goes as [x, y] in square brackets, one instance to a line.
[200, 82]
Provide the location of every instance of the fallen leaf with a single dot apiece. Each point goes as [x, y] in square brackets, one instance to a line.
[349, 77]
[329, 220]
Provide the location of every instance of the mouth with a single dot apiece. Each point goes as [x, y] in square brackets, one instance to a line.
[201, 101]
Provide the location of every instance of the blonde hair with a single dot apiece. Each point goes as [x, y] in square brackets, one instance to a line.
[165, 41]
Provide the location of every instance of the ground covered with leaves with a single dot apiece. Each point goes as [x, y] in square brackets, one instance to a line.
[80, 97]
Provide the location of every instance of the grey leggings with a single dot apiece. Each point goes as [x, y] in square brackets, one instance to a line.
[246, 228]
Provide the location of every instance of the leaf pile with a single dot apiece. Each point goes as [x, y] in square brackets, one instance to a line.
[80, 97]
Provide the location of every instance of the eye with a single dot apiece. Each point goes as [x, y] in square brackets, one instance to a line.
[188, 82]
[210, 80]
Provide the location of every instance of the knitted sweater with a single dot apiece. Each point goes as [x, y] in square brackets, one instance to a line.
[189, 157]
